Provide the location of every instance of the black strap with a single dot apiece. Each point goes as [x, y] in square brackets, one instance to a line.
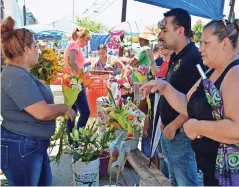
[231, 65]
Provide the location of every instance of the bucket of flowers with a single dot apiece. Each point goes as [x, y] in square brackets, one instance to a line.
[87, 149]
[48, 66]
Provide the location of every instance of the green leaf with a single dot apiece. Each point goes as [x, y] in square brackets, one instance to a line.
[40, 70]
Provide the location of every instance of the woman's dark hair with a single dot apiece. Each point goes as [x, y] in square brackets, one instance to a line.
[225, 29]
[102, 46]
[14, 40]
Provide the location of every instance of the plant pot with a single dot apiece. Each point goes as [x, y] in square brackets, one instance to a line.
[104, 163]
[86, 174]
[133, 143]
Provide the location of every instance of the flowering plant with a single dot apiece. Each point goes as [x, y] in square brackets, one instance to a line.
[135, 116]
[47, 67]
[127, 116]
[88, 144]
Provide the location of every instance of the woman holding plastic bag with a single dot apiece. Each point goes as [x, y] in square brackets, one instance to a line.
[218, 47]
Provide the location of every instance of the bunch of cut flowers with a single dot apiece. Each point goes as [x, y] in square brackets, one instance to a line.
[48, 66]
[127, 116]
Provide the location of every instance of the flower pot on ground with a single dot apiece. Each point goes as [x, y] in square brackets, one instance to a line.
[86, 173]
[88, 152]
[86, 149]
[104, 163]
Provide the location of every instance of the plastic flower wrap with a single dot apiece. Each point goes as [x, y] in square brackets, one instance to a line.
[135, 116]
[119, 150]
[127, 117]
[72, 85]
[47, 67]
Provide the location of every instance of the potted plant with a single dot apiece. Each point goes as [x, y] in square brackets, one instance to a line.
[86, 149]
[105, 139]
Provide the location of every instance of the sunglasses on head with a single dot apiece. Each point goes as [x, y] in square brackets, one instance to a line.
[225, 25]
[23, 39]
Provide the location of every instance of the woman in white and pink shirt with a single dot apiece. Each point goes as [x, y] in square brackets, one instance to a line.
[74, 59]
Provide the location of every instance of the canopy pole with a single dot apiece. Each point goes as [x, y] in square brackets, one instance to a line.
[24, 14]
[231, 13]
[124, 9]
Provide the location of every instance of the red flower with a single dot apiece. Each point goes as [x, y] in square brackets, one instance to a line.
[130, 135]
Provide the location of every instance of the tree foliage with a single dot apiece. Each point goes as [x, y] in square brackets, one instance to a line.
[133, 39]
[91, 25]
[197, 29]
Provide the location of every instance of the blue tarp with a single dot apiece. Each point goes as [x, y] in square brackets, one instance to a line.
[203, 8]
[97, 39]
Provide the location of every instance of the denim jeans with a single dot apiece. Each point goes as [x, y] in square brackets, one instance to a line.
[145, 147]
[24, 160]
[163, 164]
[181, 160]
[82, 106]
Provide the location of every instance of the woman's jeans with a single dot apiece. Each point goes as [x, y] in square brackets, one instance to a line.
[82, 106]
[24, 160]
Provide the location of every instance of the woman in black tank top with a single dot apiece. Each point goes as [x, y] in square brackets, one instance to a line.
[218, 47]
[205, 148]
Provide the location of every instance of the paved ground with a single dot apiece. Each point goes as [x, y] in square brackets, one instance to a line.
[62, 173]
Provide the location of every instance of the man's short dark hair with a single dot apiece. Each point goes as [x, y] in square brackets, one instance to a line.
[182, 18]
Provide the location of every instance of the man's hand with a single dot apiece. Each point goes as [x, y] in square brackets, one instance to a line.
[169, 132]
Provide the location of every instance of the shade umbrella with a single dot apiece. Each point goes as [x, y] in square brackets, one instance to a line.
[227, 165]
[156, 131]
[39, 27]
[127, 28]
[203, 8]
[64, 25]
